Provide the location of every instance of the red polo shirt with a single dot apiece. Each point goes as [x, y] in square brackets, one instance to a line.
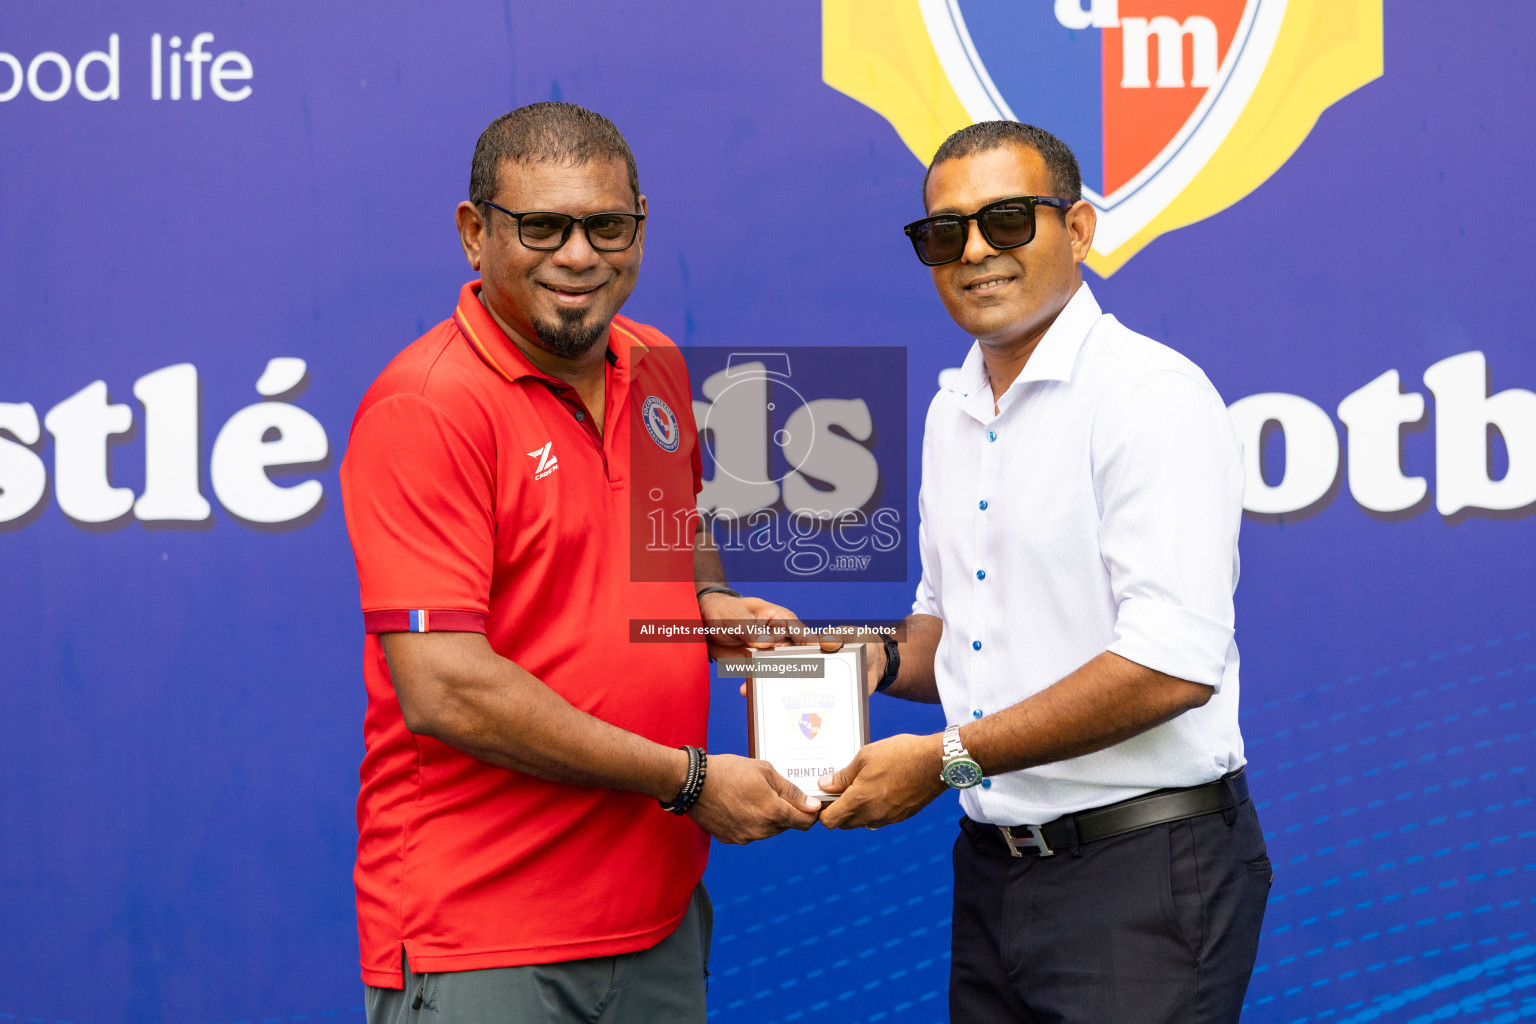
[479, 497]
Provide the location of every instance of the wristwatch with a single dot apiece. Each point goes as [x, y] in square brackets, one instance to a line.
[960, 770]
[892, 665]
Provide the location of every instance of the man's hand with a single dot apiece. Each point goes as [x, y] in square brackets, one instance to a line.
[745, 800]
[874, 662]
[766, 625]
[888, 781]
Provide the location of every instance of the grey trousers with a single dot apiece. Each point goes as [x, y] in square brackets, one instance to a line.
[665, 983]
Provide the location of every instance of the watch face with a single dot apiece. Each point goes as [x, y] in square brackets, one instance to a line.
[962, 774]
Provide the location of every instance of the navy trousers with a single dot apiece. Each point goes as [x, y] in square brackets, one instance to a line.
[1155, 926]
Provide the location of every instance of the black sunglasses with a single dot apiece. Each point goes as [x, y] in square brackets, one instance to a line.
[606, 232]
[1005, 224]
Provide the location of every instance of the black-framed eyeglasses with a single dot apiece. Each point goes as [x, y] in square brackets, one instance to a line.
[1005, 224]
[542, 229]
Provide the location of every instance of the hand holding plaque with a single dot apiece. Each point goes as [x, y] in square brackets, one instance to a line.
[808, 711]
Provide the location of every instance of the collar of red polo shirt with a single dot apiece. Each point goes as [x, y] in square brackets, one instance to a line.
[502, 354]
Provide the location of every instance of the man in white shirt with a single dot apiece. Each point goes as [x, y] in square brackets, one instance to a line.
[1081, 497]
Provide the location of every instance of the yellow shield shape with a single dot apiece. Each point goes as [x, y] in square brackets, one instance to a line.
[1177, 108]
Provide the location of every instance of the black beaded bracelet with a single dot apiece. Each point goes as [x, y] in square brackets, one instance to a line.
[693, 782]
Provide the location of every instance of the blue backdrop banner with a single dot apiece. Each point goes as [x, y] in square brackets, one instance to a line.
[219, 220]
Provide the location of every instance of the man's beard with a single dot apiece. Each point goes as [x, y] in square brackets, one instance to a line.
[571, 336]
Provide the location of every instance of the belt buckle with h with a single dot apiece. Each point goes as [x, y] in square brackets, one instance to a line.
[1036, 838]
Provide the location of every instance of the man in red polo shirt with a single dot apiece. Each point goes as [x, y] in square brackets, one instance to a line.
[513, 862]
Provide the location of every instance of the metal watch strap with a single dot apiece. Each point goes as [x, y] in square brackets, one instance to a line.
[960, 770]
[952, 745]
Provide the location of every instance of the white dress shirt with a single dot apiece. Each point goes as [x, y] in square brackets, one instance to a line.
[1097, 509]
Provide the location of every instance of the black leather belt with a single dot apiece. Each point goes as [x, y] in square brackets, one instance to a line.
[1156, 808]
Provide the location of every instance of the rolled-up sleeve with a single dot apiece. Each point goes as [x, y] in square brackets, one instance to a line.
[927, 599]
[1168, 477]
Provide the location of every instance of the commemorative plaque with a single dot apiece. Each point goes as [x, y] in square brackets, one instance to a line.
[808, 712]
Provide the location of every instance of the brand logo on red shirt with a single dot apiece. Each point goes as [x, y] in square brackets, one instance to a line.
[661, 423]
[548, 462]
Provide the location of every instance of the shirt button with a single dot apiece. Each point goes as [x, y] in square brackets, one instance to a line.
[975, 645]
[986, 783]
[983, 504]
[580, 415]
[981, 574]
[976, 713]
[991, 435]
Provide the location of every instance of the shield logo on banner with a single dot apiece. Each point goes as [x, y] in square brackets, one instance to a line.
[1176, 109]
[810, 725]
